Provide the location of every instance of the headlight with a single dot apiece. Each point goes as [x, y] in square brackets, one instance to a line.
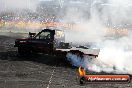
[22, 41]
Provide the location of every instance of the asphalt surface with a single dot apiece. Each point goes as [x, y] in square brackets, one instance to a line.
[39, 71]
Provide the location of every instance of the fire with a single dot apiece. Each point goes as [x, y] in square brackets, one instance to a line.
[81, 71]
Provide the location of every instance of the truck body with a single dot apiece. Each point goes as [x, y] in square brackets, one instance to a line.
[50, 41]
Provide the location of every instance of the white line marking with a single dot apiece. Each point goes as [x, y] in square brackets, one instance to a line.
[50, 80]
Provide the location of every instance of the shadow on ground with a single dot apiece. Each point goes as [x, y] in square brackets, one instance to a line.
[39, 58]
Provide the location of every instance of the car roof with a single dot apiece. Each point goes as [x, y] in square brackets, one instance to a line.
[51, 29]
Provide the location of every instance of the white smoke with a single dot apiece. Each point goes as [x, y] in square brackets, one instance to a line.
[18, 12]
[117, 53]
[74, 59]
[6, 5]
[90, 19]
[115, 50]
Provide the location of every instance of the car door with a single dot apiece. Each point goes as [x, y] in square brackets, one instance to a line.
[40, 43]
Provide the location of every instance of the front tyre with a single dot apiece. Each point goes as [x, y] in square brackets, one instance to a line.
[23, 51]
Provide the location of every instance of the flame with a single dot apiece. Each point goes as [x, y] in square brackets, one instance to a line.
[81, 71]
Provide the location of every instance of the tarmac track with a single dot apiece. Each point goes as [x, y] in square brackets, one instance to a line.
[38, 71]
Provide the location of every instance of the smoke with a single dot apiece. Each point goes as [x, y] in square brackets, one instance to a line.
[16, 13]
[115, 49]
[18, 4]
[101, 22]
[117, 53]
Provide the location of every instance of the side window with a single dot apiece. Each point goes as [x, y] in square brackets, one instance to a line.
[59, 34]
[44, 35]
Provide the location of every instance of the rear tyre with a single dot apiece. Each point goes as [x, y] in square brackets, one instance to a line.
[20, 50]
